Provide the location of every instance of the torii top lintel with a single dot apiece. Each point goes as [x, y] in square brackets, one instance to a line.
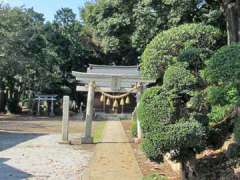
[110, 78]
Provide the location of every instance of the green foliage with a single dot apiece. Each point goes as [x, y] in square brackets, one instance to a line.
[216, 95]
[170, 122]
[218, 113]
[124, 28]
[194, 57]
[154, 177]
[222, 73]
[200, 117]
[109, 23]
[180, 137]
[232, 95]
[222, 95]
[198, 108]
[222, 100]
[41, 55]
[164, 49]
[21, 49]
[178, 78]
[223, 68]
[65, 17]
[197, 101]
[151, 17]
[236, 129]
[151, 147]
[155, 109]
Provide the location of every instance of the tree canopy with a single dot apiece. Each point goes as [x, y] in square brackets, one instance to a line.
[41, 54]
[124, 28]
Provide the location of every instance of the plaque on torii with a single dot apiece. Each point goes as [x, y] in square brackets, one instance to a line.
[108, 78]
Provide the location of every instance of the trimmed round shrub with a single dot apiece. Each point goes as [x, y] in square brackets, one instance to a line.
[167, 46]
[194, 57]
[178, 78]
[155, 109]
[224, 66]
[179, 137]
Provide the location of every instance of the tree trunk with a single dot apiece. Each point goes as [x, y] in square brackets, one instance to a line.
[238, 19]
[232, 13]
[2, 101]
[183, 172]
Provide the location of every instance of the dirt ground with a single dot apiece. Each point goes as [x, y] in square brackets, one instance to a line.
[113, 158]
[30, 149]
[37, 124]
[148, 167]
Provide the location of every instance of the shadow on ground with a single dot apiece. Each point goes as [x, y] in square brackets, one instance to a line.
[8, 140]
[9, 173]
[11, 139]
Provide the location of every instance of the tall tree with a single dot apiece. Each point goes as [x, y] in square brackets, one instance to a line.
[110, 24]
[124, 28]
[68, 40]
[232, 12]
[41, 55]
[19, 28]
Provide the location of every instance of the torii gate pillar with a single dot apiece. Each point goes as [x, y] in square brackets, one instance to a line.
[87, 138]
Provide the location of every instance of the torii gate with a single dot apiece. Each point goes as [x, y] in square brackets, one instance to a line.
[106, 78]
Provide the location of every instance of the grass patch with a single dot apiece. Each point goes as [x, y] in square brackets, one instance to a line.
[155, 177]
[98, 133]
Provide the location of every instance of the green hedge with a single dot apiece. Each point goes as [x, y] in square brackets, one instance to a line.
[224, 66]
[155, 109]
[167, 45]
[179, 137]
[178, 78]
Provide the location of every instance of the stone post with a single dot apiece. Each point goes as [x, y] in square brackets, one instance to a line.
[87, 138]
[38, 107]
[139, 130]
[65, 118]
[52, 107]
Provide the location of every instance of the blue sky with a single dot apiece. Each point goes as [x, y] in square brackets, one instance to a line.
[48, 7]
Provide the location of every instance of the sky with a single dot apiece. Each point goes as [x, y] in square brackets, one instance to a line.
[48, 7]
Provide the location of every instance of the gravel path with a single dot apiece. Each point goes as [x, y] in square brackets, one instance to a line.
[40, 156]
[114, 158]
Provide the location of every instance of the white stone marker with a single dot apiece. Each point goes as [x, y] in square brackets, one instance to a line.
[87, 138]
[65, 118]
